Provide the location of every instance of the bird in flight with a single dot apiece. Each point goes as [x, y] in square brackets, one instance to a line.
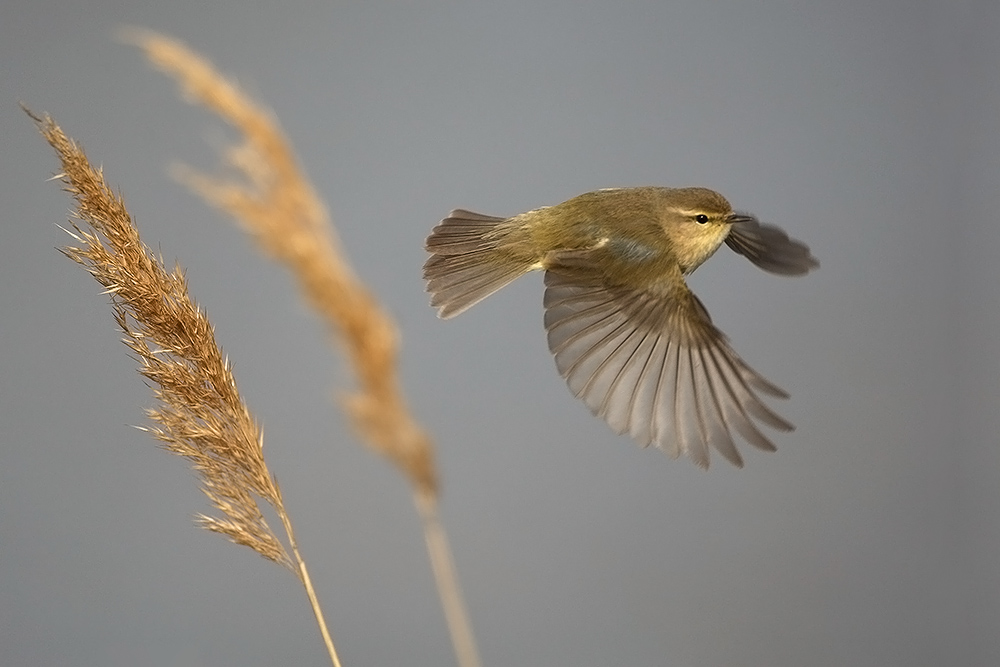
[630, 338]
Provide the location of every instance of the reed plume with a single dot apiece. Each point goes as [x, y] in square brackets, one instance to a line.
[200, 414]
[276, 204]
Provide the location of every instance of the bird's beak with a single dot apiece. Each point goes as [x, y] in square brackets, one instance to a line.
[741, 217]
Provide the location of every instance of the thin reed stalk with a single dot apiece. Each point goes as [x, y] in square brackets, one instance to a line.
[274, 202]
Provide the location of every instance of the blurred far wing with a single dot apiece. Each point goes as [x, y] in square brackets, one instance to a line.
[651, 364]
[770, 248]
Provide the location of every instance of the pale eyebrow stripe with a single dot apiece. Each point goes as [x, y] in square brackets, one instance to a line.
[691, 211]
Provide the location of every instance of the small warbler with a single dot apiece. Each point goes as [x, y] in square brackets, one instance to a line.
[630, 338]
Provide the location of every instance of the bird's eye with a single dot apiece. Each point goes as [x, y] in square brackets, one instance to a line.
[701, 218]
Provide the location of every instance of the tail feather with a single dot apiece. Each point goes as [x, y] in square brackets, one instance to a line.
[466, 266]
[461, 232]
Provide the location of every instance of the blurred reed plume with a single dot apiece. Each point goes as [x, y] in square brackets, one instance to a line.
[201, 415]
[275, 203]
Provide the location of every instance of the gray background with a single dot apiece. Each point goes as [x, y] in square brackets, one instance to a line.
[869, 130]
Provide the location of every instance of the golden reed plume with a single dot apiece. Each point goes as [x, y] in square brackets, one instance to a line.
[201, 415]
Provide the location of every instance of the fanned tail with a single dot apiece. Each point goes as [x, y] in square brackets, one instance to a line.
[467, 263]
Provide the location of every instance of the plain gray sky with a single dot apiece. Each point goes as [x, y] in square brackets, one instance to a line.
[871, 538]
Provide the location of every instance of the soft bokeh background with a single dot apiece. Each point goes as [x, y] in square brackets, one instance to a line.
[872, 537]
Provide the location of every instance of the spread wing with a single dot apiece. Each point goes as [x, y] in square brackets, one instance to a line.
[769, 247]
[651, 364]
